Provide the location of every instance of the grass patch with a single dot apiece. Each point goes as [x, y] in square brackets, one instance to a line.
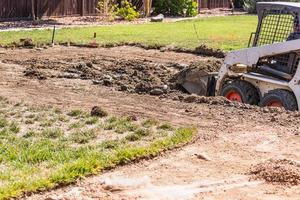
[82, 137]
[166, 127]
[150, 122]
[40, 159]
[3, 122]
[120, 125]
[227, 33]
[75, 113]
[14, 127]
[92, 120]
[52, 133]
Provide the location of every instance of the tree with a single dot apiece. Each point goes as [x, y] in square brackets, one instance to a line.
[33, 10]
[147, 7]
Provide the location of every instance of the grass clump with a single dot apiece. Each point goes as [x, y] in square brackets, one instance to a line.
[120, 125]
[75, 113]
[138, 134]
[98, 112]
[166, 127]
[14, 127]
[3, 122]
[82, 137]
[92, 120]
[150, 122]
[110, 144]
[29, 134]
[52, 133]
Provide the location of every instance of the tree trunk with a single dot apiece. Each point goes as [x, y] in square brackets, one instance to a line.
[32, 10]
[147, 7]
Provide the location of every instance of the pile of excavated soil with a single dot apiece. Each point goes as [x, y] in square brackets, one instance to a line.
[141, 76]
[282, 171]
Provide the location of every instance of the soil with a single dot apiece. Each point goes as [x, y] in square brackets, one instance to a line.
[281, 171]
[232, 137]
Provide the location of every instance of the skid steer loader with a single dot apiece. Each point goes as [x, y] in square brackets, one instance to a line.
[267, 73]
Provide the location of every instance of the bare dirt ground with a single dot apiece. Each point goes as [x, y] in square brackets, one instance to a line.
[233, 139]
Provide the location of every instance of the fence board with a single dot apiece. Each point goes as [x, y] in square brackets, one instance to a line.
[22, 8]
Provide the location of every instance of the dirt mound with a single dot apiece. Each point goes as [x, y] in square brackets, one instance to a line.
[282, 171]
[24, 42]
[142, 76]
[33, 73]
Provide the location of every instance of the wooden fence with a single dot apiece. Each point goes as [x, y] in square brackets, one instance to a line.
[211, 4]
[22, 8]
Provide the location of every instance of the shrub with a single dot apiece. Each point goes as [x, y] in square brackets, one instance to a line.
[104, 6]
[176, 7]
[127, 11]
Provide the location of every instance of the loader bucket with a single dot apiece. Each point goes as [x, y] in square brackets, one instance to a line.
[197, 81]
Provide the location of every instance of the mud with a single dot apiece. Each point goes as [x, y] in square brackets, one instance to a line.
[280, 171]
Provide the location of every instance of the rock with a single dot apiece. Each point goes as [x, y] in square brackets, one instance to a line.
[89, 64]
[203, 157]
[98, 112]
[156, 92]
[158, 18]
[273, 119]
[97, 82]
[165, 87]
[33, 73]
[123, 88]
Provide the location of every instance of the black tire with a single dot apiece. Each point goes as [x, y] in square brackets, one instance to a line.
[285, 97]
[246, 90]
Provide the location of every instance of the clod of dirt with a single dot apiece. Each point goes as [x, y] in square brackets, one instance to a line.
[211, 65]
[33, 73]
[132, 117]
[281, 171]
[25, 42]
[98, 112]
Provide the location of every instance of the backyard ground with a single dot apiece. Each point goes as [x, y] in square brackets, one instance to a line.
[226, 33]
[238, 151]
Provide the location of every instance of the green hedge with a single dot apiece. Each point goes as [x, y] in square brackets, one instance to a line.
[176, 7]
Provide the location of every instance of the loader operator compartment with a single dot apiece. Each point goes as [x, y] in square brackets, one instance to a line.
[278, 22]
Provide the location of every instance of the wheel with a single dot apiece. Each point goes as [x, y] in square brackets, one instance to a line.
[280, 98]
[241, 91]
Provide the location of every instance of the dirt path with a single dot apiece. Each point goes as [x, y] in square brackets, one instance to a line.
[216, 166]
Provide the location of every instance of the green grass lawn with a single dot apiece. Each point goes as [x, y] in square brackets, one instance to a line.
[226, 33]
[41, 148]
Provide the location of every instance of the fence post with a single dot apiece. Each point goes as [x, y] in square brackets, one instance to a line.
[82, 7]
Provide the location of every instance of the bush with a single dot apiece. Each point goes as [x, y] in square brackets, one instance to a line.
[176, 7]
[127, 11]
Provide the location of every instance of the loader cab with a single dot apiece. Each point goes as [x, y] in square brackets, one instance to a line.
[277, 22]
